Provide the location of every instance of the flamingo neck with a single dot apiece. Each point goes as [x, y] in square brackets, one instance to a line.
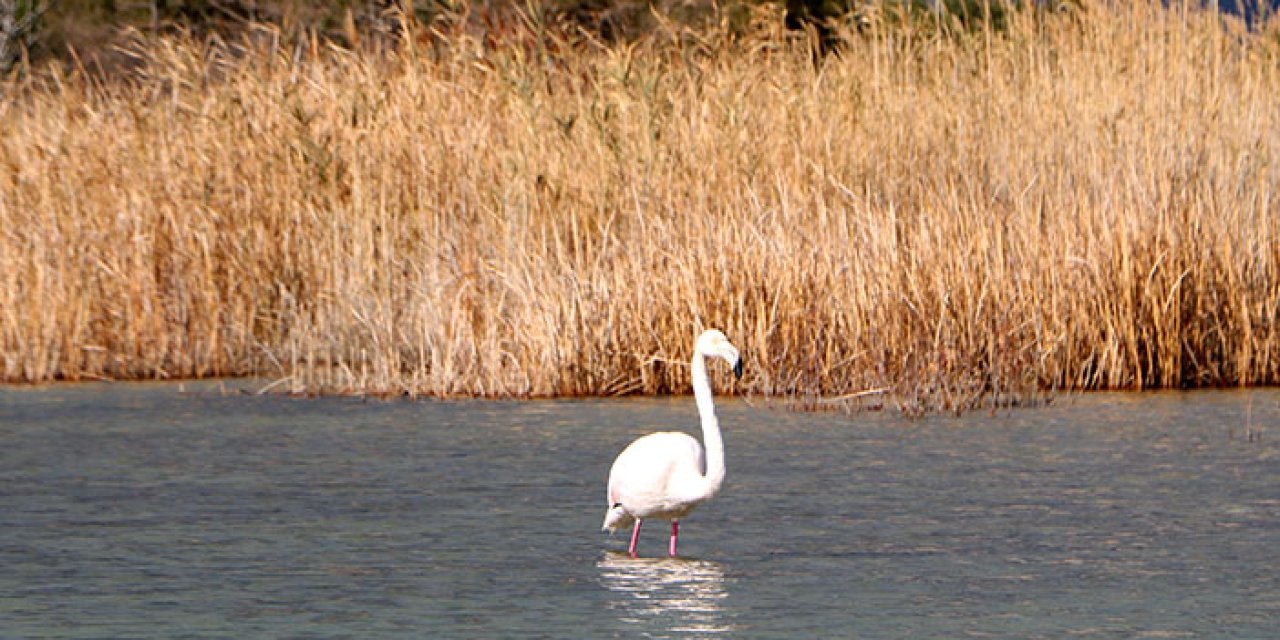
[712, 443]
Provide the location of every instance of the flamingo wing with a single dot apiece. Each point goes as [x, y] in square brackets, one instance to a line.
[648, 476]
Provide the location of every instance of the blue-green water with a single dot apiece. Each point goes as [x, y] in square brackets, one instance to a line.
[134, 510]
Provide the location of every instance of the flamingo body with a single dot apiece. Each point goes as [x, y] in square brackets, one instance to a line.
[665, 475]
[648, 477]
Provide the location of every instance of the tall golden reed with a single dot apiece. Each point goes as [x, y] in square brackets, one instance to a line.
[1085, 201]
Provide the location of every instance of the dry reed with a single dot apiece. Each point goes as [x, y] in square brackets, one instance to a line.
[1084, 201]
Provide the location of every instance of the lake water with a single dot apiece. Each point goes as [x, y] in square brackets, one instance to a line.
[139, 510]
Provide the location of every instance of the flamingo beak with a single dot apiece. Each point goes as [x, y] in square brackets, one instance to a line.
[737, 368]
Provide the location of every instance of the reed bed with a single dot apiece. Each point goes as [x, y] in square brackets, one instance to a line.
[1084, 200]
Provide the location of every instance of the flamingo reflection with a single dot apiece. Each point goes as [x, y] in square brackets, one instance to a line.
[667, 596]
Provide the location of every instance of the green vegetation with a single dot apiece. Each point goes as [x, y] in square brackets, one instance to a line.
[93, 29]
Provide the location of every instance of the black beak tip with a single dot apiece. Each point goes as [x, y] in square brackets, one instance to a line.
[737, 369]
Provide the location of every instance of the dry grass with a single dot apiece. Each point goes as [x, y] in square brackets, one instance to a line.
[1085, 201]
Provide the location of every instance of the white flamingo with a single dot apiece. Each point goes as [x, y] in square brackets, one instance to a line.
[665, 475]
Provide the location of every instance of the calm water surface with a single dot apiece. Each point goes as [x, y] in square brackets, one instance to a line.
[136, 510]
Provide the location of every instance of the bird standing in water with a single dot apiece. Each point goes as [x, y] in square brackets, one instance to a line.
[665, 475]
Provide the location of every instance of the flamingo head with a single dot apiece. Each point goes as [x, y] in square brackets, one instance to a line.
[714, 343]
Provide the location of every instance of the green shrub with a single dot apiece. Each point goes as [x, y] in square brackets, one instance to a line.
[20, 29]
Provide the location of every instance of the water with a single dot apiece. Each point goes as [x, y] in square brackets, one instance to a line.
[137, 511]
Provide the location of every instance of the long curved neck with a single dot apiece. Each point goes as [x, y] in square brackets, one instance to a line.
[711, 440]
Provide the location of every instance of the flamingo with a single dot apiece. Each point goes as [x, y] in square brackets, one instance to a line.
[665, 475]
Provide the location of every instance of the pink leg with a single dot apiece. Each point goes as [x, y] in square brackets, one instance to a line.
[635, 535]
[675, 531]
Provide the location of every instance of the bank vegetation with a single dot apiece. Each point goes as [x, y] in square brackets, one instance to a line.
[1084, 198]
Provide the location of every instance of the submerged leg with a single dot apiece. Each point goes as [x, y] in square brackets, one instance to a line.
[635, 535]
[675, 531]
